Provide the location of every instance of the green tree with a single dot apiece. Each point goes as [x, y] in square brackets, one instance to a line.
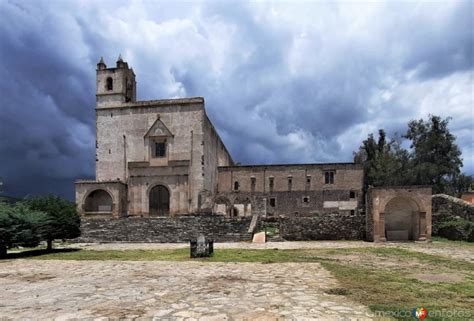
[384, 161]
[435, 158]
[20, 225]
[62, 220]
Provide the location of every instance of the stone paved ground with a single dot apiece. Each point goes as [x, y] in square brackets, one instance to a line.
[170, 290]
[437, 248]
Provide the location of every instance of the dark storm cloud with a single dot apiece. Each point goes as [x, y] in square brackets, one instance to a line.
[300, 82]
[44, 116]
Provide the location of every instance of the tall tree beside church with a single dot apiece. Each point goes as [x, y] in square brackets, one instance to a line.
[435, 158]
[62, 221]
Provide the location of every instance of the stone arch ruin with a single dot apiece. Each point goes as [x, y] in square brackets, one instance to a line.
[242, 206]
[222, 206]
[399, 214]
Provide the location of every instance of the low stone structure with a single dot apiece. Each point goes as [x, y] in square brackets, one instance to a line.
[165, 229]
[323, 227]
[399, 213]
[201, 247]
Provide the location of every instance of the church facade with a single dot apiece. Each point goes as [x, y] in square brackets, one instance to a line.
[165, 158]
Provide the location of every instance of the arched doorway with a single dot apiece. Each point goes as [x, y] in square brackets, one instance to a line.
[98, 201]
[402, 219]
[159, 201]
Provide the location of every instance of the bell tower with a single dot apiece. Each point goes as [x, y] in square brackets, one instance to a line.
[115, 86]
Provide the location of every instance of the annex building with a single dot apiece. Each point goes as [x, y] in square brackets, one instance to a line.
[164, 158]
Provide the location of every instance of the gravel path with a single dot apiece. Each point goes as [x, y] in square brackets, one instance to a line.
[171, 290]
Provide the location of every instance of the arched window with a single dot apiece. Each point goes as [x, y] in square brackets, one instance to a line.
[110, 83]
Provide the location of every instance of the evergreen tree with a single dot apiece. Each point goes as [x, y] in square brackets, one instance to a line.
[19, 225]
[436, 159]
[62, 220]
[384, 162]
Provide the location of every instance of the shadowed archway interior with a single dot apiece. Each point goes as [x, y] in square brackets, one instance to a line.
[401, 219]
[98, 201]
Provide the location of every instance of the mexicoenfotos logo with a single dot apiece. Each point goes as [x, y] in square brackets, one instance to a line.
[419, 313]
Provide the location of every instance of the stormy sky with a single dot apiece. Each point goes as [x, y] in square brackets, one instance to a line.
[284, 82]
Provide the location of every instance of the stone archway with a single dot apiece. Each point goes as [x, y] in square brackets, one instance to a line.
[222, 206]
[242, 206]
[98, 201]
[398, 213]
[159, 201]
[401, 219]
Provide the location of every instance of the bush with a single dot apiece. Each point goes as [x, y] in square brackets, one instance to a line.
[457, 230]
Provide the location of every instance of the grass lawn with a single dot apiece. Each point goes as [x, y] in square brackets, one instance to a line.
[383, 278]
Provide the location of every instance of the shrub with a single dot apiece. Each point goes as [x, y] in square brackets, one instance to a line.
[457, 230]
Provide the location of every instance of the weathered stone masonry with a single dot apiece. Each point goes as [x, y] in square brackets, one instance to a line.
[165, 229]
[160, 163]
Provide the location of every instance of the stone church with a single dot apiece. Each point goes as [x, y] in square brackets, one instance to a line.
[164, 158]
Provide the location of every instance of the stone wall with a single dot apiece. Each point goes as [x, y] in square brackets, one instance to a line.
[446, 208]
[166, 229]
[322, 227]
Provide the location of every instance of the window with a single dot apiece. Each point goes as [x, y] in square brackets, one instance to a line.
[272, 202]
[110, 83]
[253, 182]
[329, 177]
[352, 212]
[271, 183]
[305, 199]
[236, 186]
[160, 149]
[352, 194]
[308, 183]
[290, 183]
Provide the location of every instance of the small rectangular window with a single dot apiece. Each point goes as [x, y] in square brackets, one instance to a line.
[272, 202]
[308, 183]
[352, 194]
[253, 182]
[352, 212]
[271, 184]
[290, 183]
[236, 186]
[305, 199]
[329, 177]
[160, 149]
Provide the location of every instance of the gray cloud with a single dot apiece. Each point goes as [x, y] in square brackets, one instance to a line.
[301, 82]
